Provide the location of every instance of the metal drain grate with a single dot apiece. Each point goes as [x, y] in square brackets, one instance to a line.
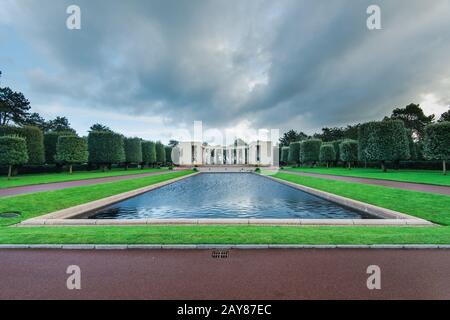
[220, 254]
[6, 215]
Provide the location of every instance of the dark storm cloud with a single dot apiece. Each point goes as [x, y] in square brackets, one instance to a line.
[276, 63]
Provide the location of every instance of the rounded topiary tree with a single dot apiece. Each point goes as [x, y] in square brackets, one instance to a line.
[310, 151]
[13, 152]
[50, 142]
[336, 144]
[71, 150]
[285, 155]
[437, 143]
[327, 154]
[34, 139]
[148, 153]
[294, 153]
[349, 152]
[160, 153]
[383, 141]
[105, 148]
[133, 151]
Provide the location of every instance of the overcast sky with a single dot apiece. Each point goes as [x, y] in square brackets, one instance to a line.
[148, 67]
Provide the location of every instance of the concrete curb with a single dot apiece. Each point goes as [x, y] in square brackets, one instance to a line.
[217, 247]
[385, 214]
[80, 210]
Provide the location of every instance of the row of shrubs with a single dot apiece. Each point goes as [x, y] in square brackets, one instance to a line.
[382, 142]
[28, 146]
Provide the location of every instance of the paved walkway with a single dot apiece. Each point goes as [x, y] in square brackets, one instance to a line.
[68, 184]
[385, 183]
[245, 274]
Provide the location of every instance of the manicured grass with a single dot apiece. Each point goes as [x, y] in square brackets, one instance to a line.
[35, 204]
[31, 179]
[41, 203]
[225, 235]
[417, 176]
[429, 206]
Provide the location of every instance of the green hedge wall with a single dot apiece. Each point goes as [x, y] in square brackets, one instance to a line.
[168, 152]
[13, 151]
[160, 153]
[310, 150]
[50, 142]
[71, 150]
[294, 153]
[148, 152]
[437, 142]
[327, 153]
[105, 148]
[349, 151]
[34, 139]
[383, 141]
[133, 150]
[284, 154]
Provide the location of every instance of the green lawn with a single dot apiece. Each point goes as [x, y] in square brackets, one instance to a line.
[417, 176]
[36, 204]
[225, 235]
[429, 206]
[433, 207]
[30, 179]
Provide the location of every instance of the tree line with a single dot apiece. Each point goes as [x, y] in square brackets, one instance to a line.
[377, 141]
[28, 139]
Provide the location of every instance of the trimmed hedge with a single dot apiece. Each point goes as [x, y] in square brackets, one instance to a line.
[437, 143]
[105, 148]
[383, 141]
[50, 143]
[349, 151]
[133, 150]
[285, 155]
[294, 153]
[327, 153]
[148, 152]
[310, 151]
[160, 153]
[13, 151]
[34, 139]
[337, 149]
[168, 151]
[71, 150]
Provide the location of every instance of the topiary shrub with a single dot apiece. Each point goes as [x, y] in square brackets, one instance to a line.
[294, 153]
[284, 155]
[133, 151]
[148, 153]
[50, 142]
[336, 144]
[160, 153]
[349, 152]
[327, 154]
[310, 151]
[13, 152]
[168, 152]
[34, 139]
[71, 150]
[383, 141]
[105, 148]
[437, 143]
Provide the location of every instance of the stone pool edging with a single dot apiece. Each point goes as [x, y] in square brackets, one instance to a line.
[79, 210]
[64, 217]
[385, 214]
[219, 247]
